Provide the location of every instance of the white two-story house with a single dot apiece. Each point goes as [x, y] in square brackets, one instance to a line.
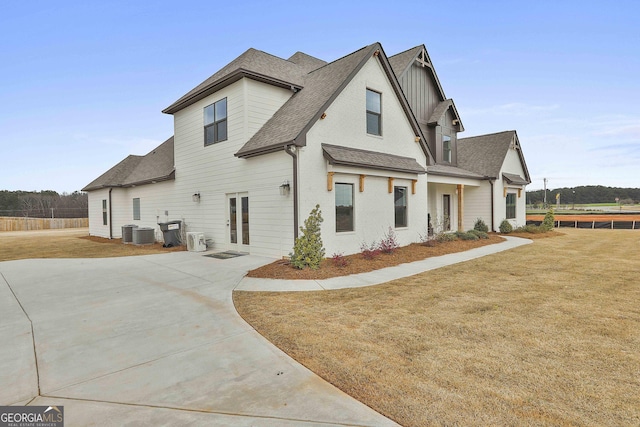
[258, 144]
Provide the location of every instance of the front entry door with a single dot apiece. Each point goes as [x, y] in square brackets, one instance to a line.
[238, 221]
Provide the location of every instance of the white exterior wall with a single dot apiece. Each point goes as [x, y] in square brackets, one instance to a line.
[345, 125]
[512, 165]
[96, 226]
[477, 204]
[213, 171]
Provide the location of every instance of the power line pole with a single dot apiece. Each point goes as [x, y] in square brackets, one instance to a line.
[545, 193]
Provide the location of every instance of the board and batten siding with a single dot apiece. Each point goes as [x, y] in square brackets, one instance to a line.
[213, 171]
[345, 125]
[420, 91]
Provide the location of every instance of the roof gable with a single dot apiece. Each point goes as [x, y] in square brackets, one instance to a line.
[253, 64]
[292, 121]
[485, 154]
[403, 60]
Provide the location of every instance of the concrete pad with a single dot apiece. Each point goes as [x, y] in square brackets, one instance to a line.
[233, 375]
[90, 413]
[158, 333]
[18, 373]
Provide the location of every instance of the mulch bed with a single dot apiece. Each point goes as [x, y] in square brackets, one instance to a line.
[358, 264]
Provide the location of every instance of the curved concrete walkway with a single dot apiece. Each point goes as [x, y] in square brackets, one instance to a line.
[378, 276]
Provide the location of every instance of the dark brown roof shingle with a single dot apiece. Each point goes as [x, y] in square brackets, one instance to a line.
[345, 156]
[157, 165]
[485, 154]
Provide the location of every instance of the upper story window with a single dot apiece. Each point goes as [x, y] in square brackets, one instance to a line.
[446, 148]
[215, 122]
[374, 112]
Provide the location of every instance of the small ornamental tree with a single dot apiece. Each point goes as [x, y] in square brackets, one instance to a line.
[308, 250]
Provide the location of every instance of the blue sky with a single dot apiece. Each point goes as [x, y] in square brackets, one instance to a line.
[83, 83]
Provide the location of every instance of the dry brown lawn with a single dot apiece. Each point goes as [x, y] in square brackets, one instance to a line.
[68, 243]
[545, 334]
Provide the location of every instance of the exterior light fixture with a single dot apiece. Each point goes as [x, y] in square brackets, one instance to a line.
[196, 197]
[285, 188]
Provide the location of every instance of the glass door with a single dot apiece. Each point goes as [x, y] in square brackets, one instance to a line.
[238, 221]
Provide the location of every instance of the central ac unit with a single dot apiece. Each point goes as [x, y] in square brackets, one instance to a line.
[196, 242]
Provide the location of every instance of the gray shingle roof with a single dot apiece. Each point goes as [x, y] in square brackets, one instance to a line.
[291, 121]
[157, 165]
[515, 179]
[344, 156]
[446, 170]
[485, 154]
[254, 63]
[439, 111]
[401, 61]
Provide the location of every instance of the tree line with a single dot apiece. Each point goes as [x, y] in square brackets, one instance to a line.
[44, 204]
[586, 194]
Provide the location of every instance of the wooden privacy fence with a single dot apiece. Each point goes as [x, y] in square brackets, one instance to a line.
[25, 224]
[593, 221]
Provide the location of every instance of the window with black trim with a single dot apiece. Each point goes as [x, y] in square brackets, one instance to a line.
[215, 122]
[104, 211]
[400, 202]
[344, 207]
[446, 148]
[374, 112]
[511, 206]
[136, 208]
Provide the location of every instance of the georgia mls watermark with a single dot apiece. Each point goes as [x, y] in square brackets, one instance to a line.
[31, 416]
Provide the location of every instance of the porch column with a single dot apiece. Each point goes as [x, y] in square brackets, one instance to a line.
[460, 207]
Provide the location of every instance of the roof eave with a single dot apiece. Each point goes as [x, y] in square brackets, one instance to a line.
[264, 150]
[226, 81]
[169, 177]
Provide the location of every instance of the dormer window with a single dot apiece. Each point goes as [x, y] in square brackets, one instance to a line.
[215, 122]
[446, 148]
[374, 112]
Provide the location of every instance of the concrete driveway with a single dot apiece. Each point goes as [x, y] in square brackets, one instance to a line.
[152, 340]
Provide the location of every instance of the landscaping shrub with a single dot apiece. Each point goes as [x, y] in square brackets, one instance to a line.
[506, 227]
[308, 250]
[369, 251]
[531, 228]
[466, 235]
[548, 221]
[389, 242]
[479, 234]
[480, 226]
[446, 237]
[339, 260]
